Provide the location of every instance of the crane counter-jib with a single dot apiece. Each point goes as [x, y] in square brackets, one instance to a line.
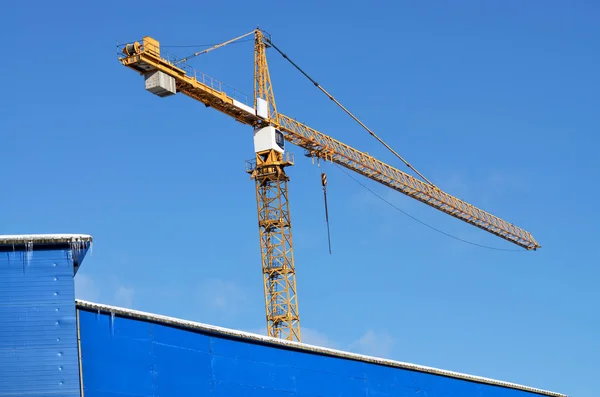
[198, 86]
[146, 59]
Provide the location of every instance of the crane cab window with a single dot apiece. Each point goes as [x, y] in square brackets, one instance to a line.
[279, 139]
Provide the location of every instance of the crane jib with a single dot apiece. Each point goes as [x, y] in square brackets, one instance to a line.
[331, 149]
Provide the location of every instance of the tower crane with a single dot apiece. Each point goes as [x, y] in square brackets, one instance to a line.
[166, 75]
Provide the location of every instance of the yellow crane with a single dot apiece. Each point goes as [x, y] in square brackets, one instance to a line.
[166, 75]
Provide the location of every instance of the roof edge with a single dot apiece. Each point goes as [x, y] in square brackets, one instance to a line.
[10, 239]
[301, 346]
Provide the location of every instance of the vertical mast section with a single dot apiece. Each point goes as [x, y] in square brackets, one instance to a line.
[275, 231]
[274, 222]
[262, 79]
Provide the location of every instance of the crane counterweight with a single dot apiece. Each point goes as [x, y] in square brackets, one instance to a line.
[160, 84]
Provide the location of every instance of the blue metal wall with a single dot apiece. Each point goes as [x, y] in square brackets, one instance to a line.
[38, 333]
[131, 357]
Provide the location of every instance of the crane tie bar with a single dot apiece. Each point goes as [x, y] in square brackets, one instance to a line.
[348, 112]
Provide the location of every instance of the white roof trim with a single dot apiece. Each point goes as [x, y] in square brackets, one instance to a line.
[301, 346]
[43, 238]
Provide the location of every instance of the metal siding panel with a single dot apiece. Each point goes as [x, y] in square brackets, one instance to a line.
[190, 351]
[388, 380]
[35, 326]
[116, 356]
[180, 371]
[285, 370]
[230, 370]
[320, 381]
[226, 389]
[250, 351]
[136, 357]
[38, 335]
[165, 335]
[130, 373]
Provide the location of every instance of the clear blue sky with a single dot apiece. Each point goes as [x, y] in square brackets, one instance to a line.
[497, 103]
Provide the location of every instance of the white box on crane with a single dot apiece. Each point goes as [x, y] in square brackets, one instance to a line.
[262, 108]
[268, 138]
[160, 84]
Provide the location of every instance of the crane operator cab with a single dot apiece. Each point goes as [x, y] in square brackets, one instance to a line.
[268, 138]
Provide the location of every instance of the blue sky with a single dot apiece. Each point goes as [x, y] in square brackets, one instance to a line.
[495, 102]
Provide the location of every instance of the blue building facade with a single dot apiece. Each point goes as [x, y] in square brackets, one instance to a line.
[133, 353]
[38, 329]
[53, 345]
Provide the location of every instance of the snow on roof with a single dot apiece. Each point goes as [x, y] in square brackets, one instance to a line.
[44, 238]
[298, 346]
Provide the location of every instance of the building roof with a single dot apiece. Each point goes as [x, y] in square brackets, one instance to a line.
[18, 239]
[78, 244]
[250, 337]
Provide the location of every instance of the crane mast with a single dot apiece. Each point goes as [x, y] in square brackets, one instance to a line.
[165, 76]
[274, 222]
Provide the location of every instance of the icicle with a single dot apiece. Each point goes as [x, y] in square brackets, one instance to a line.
[112, 323]
[28, 252]
[78, 248]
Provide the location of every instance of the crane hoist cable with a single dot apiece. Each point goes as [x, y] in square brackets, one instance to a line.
[380, 197]
[324, 184]
[268, 40]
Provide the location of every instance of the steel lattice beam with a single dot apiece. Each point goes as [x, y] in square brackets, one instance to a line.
[275, 230]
